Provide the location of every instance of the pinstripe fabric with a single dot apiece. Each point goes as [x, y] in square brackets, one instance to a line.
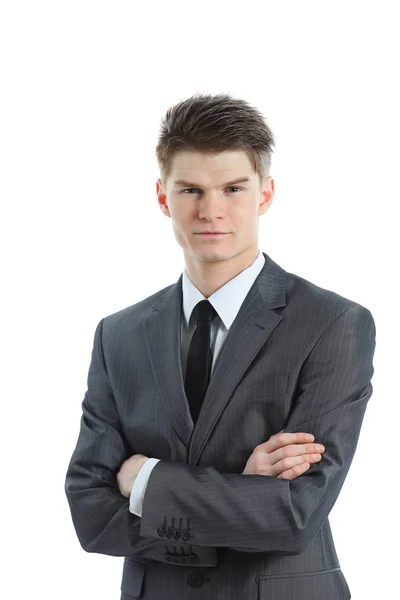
[297, 357]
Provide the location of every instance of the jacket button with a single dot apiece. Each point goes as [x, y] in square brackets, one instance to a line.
[186, 535]
[184, 559]
[170, 533]
[161, 531]
[195, 579]
[178, 534]
[176, 558]
[193, 559]
[168, 557]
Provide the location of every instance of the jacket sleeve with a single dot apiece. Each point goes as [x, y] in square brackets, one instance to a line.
[254, 513]
[100, 513]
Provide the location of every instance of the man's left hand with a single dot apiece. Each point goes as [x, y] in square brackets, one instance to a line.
[128, 472]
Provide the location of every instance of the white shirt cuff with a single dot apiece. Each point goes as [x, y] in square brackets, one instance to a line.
[139, 487]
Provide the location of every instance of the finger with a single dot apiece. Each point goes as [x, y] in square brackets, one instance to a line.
[290, 462]
[285, 439]
[295, 450]
[296, 471]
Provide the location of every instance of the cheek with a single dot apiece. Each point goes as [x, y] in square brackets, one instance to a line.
[182, 214]
[181, 223]
[242, 220]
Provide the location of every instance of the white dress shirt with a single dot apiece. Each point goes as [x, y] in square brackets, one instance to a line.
[227, 302]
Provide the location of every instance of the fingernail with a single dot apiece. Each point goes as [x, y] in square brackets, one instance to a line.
[309, 437]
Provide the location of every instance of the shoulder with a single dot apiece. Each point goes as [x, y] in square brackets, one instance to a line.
[134, 314]
[303, 295]
[321, 305]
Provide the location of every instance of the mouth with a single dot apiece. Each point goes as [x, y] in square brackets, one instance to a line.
[212, 233]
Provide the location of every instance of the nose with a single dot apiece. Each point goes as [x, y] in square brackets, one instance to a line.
[211, 206]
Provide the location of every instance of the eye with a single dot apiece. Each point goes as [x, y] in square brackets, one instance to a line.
[189, 189]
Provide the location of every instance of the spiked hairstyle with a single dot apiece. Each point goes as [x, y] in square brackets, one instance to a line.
[214, 124]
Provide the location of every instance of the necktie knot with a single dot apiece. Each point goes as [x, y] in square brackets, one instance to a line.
[204, 311]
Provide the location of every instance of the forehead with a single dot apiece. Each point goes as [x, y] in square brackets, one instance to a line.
[203, 167]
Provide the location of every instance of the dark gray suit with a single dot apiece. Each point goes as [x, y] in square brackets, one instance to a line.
[297, 357]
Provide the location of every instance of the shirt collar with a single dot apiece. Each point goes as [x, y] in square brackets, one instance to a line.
[228, 299]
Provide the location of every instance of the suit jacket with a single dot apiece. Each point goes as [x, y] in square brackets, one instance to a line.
[297, 357]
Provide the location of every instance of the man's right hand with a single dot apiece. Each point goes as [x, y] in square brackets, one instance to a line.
[284, 456]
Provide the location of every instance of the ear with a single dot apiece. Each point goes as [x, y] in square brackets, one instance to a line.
[267, 195]
[162, 199]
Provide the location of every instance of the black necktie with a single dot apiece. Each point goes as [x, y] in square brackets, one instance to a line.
[199, 358]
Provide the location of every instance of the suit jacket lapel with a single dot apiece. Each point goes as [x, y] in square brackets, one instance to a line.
[250, 330]
[162, 334]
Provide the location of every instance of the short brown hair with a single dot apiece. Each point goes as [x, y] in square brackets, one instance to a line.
[214, 124]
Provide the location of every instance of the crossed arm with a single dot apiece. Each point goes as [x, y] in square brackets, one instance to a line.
[284, 455]
[282, 514]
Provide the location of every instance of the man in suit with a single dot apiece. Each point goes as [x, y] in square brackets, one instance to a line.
[223, 412]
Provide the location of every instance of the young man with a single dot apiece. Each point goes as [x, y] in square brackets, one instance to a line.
[197, 458]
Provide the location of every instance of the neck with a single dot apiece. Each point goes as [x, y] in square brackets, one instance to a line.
[208, 277]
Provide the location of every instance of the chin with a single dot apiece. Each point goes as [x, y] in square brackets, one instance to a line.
[212, 256]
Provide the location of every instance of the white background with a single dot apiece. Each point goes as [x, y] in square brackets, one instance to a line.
[84, 85]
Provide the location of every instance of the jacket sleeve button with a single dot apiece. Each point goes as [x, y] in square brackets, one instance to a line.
[193, 559]
[161, 531]
[168, 557]
[170, 533]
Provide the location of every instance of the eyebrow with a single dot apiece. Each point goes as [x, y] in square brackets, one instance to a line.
[188, 184]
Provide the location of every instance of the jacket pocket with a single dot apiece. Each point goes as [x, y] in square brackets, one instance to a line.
[329, 584]
[132, 579]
